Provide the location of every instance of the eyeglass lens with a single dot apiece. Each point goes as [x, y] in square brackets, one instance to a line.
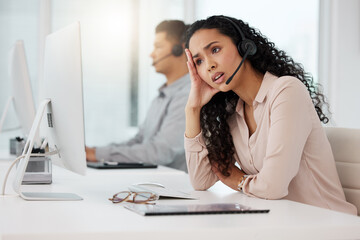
[139, 197]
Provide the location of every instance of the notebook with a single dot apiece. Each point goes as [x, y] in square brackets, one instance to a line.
[160, 190]
[192, 209]
[119, 165]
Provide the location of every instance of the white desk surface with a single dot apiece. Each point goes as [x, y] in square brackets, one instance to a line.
[5, 155]
[97, 218]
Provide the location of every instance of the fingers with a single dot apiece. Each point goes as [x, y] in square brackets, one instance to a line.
[215, 169]
[190, 61]
[216, 172]
[232, 180]
[188, 55]
[190, 64]
[191, 71]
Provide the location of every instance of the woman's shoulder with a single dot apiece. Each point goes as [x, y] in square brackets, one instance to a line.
[287, 83]
[285, 87]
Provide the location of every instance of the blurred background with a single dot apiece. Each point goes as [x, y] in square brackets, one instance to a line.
[117, 39]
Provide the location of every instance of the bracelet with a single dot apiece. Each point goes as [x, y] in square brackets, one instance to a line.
[241, 182]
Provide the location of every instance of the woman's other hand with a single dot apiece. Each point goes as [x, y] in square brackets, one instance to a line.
[233, 179]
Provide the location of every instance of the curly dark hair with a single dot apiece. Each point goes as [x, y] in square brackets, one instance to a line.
[268, 58]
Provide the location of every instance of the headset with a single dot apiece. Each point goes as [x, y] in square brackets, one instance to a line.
[177, 50]
[246, 47]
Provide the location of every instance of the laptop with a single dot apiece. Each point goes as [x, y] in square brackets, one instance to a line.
[119, 165]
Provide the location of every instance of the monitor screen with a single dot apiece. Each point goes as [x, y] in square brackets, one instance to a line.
[63, 121]
[21, 87]
[21, 96]
[60, 110]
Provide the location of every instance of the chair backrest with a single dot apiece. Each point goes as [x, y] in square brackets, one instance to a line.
[345, 144]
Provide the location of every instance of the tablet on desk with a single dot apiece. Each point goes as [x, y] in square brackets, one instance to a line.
[192, 209]
[119, 165]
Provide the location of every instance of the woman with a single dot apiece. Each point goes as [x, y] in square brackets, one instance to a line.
[264, 114]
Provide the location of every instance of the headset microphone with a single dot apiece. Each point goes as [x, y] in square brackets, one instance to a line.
[162, 58]
[237, 69]
[177, 50]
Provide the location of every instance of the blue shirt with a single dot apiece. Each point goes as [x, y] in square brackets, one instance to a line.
[160, 137]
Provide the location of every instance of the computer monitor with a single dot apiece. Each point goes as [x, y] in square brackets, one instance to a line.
[63, 104]
[21, 92]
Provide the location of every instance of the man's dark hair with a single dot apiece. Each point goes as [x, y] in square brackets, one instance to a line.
[175, 30]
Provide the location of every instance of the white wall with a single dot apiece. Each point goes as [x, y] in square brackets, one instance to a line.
[339, 45]
[339, 59]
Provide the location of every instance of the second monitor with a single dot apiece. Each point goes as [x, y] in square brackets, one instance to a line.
[61, 110]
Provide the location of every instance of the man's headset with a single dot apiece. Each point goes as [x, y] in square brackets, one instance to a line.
[177, 50]
[246, 47]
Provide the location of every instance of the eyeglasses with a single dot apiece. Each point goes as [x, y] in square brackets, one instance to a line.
[137, 197]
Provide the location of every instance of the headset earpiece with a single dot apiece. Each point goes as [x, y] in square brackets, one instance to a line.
[245, 45]
[177, 50]
[248, 46]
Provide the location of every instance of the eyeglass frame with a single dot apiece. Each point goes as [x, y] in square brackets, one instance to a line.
[153, 197]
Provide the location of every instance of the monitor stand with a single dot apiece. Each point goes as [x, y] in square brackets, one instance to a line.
[20, 171]
[45, 196]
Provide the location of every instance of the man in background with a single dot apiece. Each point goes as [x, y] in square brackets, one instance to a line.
[160, 139]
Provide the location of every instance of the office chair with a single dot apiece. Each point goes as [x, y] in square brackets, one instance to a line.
[345, 144]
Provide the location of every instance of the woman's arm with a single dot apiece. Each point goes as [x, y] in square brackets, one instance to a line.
[199, 168]
[200, 94]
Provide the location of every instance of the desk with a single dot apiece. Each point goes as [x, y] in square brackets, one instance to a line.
[5, 155]
[97, 218]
